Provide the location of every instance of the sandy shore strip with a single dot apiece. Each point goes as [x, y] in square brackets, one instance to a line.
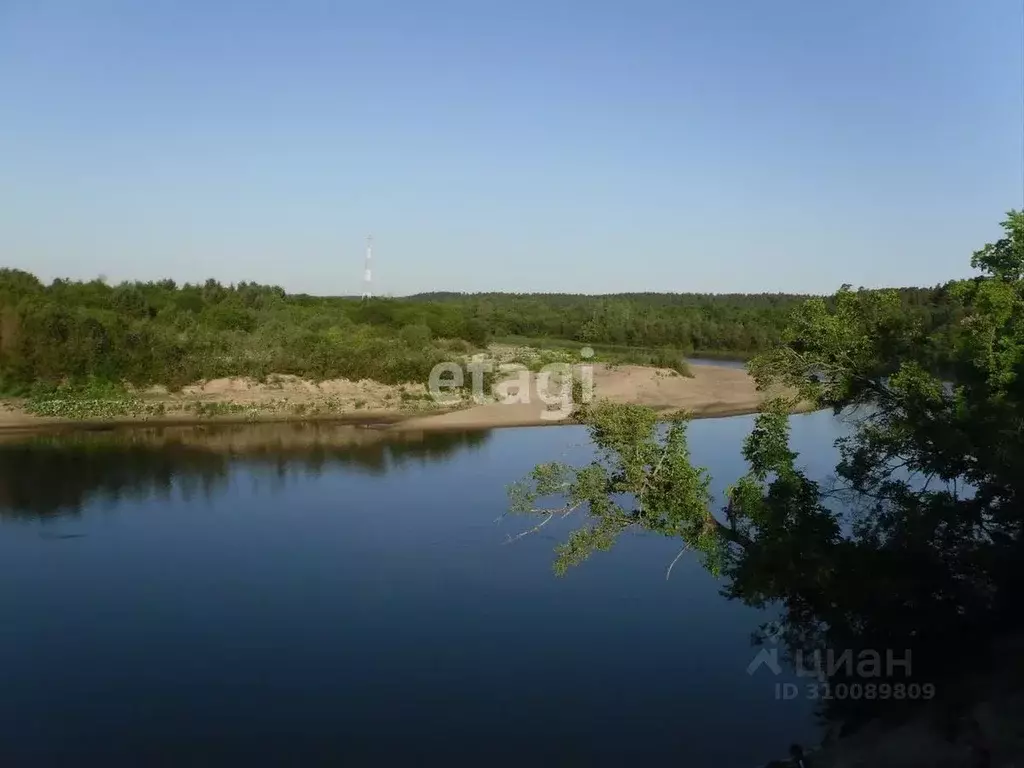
[711, 391]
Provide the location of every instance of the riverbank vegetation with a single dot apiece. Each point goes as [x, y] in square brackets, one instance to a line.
[913, 548]
[535, 354]
[162, 333]
[731, 326]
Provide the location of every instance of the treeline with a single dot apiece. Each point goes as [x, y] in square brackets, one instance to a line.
[736, 325]
[160, 332]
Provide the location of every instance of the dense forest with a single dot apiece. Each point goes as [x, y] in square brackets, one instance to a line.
[160, 332]
[731, 324]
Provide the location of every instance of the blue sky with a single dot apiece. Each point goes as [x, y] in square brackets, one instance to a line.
[566, 145]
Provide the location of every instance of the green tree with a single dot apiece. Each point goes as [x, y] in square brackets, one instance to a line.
[931, 476]
[417, 335]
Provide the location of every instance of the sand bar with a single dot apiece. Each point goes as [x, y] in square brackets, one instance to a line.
[711, 391]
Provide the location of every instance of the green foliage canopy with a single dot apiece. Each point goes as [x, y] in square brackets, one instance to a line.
[919, 536]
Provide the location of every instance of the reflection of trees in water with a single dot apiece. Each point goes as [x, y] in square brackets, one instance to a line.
[849, 608]
[46, 478]
[52, 475]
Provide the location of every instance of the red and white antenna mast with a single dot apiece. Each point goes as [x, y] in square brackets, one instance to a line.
[367, 274]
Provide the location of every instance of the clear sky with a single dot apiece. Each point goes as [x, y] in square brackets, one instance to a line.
[564, 145]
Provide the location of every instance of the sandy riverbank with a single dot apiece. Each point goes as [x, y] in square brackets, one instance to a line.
[711, 391]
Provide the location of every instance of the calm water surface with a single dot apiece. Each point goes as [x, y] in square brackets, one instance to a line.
[295, 595]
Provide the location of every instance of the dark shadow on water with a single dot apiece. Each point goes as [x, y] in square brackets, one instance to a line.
[50, 475]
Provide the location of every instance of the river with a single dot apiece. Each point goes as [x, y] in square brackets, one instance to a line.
[302, 594]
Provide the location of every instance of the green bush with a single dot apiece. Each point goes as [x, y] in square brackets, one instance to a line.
[416, 336]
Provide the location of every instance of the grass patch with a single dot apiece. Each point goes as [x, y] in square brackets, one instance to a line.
[620, 351]
[536, 353]
[672, 359]
[213, 409]
[88, 399]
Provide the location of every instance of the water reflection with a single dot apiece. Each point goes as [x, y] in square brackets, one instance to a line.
[375, 598]
[721, 363]
[49, 475]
